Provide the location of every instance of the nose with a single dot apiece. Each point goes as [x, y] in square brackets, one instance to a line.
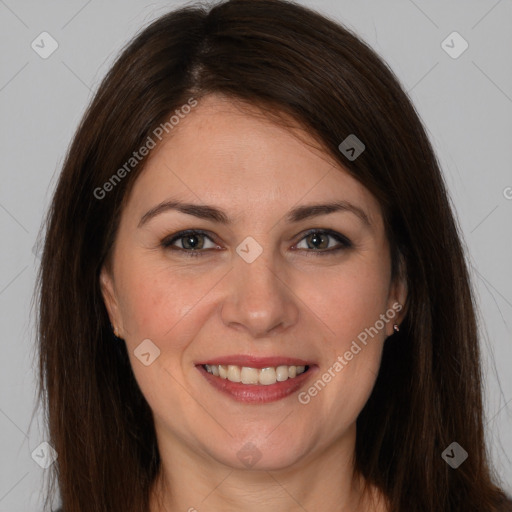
[259, 299]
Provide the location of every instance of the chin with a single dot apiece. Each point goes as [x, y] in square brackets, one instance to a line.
[256, 454]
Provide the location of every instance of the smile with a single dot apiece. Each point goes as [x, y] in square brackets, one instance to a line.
[247, 375]
[257, 380]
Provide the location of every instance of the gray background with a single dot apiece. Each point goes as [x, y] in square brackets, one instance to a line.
[465, 103]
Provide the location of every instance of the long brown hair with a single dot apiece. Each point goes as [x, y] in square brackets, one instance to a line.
[292, 60]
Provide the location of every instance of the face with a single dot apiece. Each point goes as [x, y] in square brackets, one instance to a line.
[295, 301]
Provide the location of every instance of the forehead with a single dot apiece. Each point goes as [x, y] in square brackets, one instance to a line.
[237, 157]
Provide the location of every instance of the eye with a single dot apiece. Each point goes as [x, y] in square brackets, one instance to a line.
[195, 242]
[190, 242]
[319, 240]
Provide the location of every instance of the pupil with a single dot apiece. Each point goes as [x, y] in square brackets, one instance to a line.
[317, 240]
[191, 242]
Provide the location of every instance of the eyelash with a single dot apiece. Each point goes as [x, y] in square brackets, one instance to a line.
[167, 243]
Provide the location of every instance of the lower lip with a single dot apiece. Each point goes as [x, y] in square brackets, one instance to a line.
[257, 394]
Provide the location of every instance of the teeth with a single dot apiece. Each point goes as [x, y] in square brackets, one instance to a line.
[249, 375]
[234, 373]
[282, 373]
[246, 375]
[267, 376]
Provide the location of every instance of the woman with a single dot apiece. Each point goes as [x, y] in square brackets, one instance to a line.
[253, 291]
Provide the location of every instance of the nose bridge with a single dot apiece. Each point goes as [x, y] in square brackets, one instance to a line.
[259, 300]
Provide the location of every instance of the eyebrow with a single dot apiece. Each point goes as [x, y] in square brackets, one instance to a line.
[214, 214]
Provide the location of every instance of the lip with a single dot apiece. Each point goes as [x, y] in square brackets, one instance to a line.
[257, 393]
[256, 362]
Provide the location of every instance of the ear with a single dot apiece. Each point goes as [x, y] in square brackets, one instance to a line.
[110, 299]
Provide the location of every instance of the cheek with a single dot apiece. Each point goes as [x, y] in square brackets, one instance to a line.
[348, 299]
[162, 303]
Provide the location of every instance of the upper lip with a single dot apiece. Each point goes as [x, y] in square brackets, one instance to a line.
[256, 362]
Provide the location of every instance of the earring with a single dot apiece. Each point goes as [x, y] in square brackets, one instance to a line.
[396, 328]
[115, 331]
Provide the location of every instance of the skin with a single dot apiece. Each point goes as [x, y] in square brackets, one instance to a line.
[292, 301]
